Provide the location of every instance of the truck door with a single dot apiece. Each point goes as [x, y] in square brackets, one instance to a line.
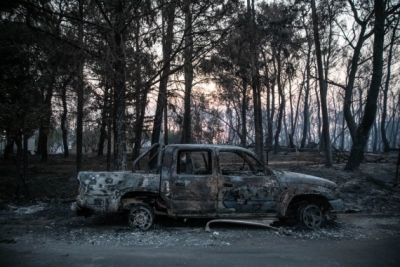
[245, 186]
[194, 184]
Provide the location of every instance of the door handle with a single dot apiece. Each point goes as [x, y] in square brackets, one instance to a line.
[179, 183]
[228, 185]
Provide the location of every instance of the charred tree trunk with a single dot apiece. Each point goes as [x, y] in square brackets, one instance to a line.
[296, 115]
[255, 81]
[44, 129]
[321, 141]
[396, 124]
[306, 111]
[138, 129]
[167, 41]
[79, 119]
[109, 132]
[18, 143]
[342, 137]
[9, 149]
[119, 66]
[362, 131]
[386, 144]
[375, 139]
[105, 116]
[322, 90]
[25, 156]
[188, 69]
[243, 135]
[281, 105]
[348, 98]
[270, 111]
[64, 114]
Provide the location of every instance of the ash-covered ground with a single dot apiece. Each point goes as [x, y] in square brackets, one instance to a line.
[372, 210]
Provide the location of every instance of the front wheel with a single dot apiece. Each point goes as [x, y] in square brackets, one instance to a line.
[310, 215]
[141, 216]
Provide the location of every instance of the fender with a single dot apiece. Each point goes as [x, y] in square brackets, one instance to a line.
[290, 191]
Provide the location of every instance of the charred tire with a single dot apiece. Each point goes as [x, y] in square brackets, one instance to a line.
[310, 215]
[141, 216]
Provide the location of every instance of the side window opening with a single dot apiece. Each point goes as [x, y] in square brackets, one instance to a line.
[150, 160]
[194, 162]
[233, 163]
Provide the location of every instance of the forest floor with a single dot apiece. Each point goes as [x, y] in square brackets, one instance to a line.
[40, 211]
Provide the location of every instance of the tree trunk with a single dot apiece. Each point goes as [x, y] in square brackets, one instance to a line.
[375, 139]
[79, 118]
[342, 145]
[44, 129]
[306, 111]
[270, 110]
[167, 40]
[188, 69]
[396, 124]
[64, 114]
[243, 135]
[362, 130]
[386, 144]
[291, 115]
[296, 115]
[18, 143]
[25, 156]
[109, 133]
[281, 105]
[321, 141]
[9, 149]
[348, 98]
[322, 89]
[255, 81]
[141, 109]
[119, 88]
[139, 91]
[42, 142]
[105, 116]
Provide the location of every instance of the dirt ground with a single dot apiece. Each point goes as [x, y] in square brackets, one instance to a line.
[39, 211]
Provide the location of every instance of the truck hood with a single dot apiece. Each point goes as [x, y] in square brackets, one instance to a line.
[300, 178]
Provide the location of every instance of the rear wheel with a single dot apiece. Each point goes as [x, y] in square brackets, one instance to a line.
[141, 216]
[310, 215]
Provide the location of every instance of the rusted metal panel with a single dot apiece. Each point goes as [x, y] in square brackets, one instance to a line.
[247, 195]
[296, 184]
[192, 193]
[102, 191]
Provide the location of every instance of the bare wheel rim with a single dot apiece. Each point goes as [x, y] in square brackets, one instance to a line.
[312, 216]
[300, 212]
[141, 217]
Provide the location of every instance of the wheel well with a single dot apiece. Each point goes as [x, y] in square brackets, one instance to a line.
[153, 199]
[297, 201]
[137, 197]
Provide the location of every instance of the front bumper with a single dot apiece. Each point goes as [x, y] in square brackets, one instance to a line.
[337, 205]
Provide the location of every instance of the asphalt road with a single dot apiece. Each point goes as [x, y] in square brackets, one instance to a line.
[281, 252]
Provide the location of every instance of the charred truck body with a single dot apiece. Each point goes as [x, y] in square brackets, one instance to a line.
[207, 181]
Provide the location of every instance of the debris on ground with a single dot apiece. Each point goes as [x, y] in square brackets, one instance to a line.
[372, 208]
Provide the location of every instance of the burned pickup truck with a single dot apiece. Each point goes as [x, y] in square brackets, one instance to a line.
[206, 181]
